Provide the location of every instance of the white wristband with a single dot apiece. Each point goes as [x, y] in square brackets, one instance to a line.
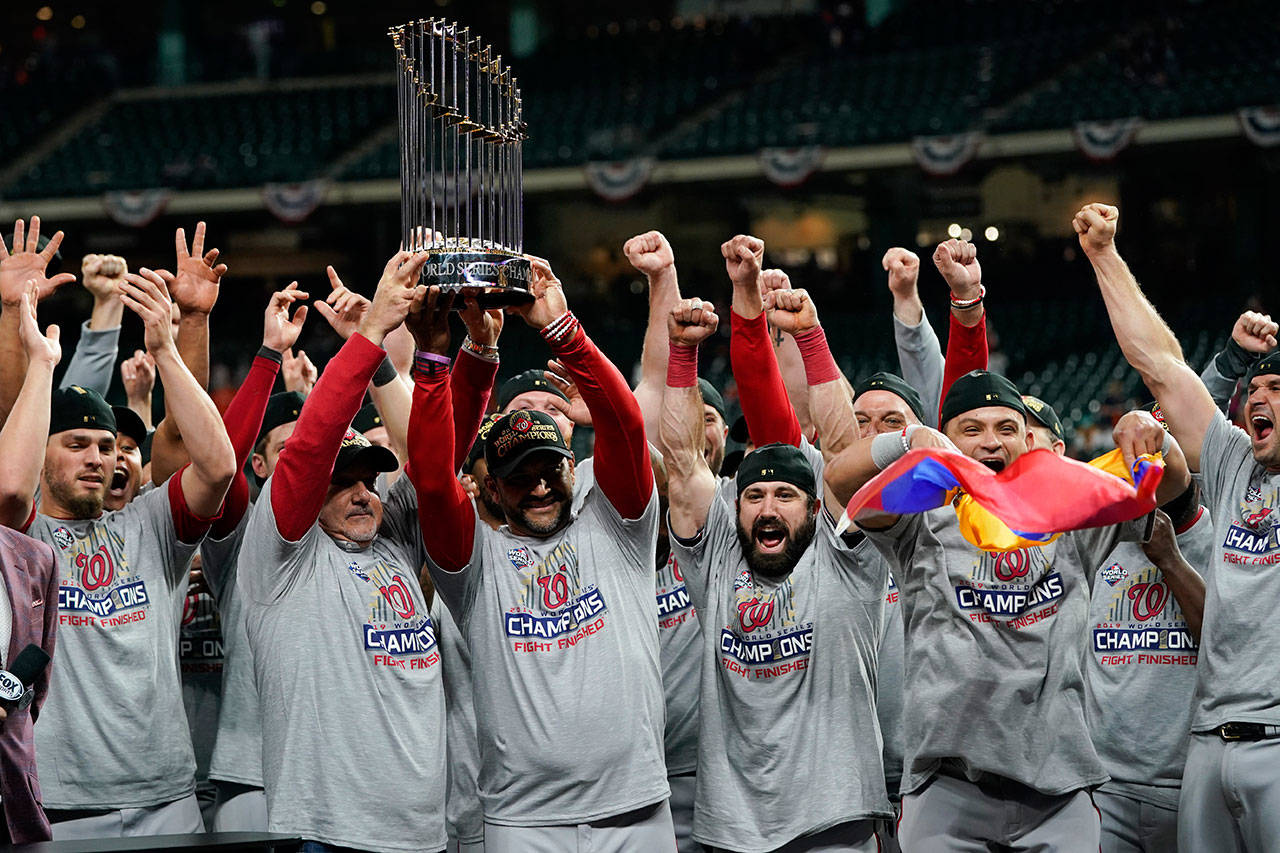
[889, 447]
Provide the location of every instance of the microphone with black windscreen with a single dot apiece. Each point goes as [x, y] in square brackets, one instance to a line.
[16, 691]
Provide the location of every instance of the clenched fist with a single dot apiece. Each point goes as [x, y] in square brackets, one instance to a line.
[903, 268]
[1255, 332]
[1096, 226]
[792, 311]
[650, 253]
[743, 256]
[957, 260]
[691, 322]
[102, 274]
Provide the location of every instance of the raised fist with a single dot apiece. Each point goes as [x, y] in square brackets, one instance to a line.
[1096, 226]
[691, 322]
[743, 256]
[102, 274]
[957, 260]
[792, 311]
[650, 253]
[903, 268]
[1255, 332]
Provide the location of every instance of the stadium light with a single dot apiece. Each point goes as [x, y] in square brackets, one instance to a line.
[992, 233]
[965, 234]
[953, 230]
[44, 13]
[77, 23]
[319, 7]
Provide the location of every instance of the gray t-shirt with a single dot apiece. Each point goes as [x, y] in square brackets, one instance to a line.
[681, 654]
[200, 661]
[564, 643]
[113, 731]
[1140, 670]
[788, 687]
[993, 651]
[463, 814]
[1239, 679]
[889, 681]
[348, 674]
[237, 749]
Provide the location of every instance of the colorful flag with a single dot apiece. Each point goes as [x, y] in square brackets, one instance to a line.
[1030, 503]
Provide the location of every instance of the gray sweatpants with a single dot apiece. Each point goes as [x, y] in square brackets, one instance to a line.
[239, 808]
[1230, 796]
[950, 815]
[856, 836]
[1135, 826]
[648, 829]
[176, 818]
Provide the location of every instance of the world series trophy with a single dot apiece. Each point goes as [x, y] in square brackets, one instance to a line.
[461, 180]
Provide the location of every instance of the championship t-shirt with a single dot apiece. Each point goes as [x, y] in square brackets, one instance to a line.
[789, 744]
[1140, 670]
[113, 730]
[1239, 679]
[463, 814]
[348, 674]
[993, 653]
[681, 654]
[564, 649]
[200, 662]
[889, 680]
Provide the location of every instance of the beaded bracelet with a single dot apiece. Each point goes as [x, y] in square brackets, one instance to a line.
[961, 304]
[561, 329]
[483, 351]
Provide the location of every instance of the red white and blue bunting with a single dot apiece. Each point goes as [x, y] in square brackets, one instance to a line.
[1103, 140]
[619, 180]
[292, 203]
[1261, 125]
[946, 155]
[791, 167]
[136, 208]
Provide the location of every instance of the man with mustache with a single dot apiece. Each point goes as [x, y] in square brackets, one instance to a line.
[557, 609]
[994, 638]
[113, 745]
[791, 616]
[1230, 796]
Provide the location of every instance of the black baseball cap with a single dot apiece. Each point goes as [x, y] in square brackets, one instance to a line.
[530, 380]
[1042, 413]
[712, 397]
[518, 434]
[894, 384]
[129, 423]
[367, 418]
[1269, 363]
[75, 407]
[281, 409]
[358, 450]
[482, 436]
[978, 389]
[738, 430]
[776, 462]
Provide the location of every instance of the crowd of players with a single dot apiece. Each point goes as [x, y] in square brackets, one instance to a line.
[440, 630]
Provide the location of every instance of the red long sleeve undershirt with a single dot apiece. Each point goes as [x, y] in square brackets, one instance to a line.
[761, 392]
[470, 384]
[966, 350]
[445, 513]
[243, 420]
[305, 467]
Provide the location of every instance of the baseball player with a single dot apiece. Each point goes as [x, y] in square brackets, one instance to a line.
[1230, 796]
[994, 639]
[113, 746]
[557, 609]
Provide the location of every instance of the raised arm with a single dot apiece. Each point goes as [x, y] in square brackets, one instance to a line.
[957, 260]
[95, 353]
[786, 350]
[138, 375]
[691, 485]
[1184, 581]
[26, 430]
[1146, 341]
[1252, 336]
[305, 467]
[651, 254]
[17, 268]
[864, 458]
[919, 353]
[445, 513]
[761, 391]
[622, 467]
[474, 370]
[213, 462]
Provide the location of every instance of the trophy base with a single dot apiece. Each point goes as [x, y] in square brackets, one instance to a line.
[494, 279]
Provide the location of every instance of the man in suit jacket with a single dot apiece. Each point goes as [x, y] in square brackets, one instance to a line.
[31, 581]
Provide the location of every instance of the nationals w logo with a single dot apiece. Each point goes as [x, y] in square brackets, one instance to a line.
[754, 613]
[1148, 600]
[96, 569]
[555, 590]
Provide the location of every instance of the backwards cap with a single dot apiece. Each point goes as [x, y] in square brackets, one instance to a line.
[978, 389]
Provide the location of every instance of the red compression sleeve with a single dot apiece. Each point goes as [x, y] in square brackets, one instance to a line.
[470, 385]
[445, 513]
[819, 364]
[761, 393]
[305, 466]
[243, 419]
[622, 467]
[966, 350]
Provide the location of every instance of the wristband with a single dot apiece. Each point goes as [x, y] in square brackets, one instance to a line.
[1234, 361]
[962, 304]
[481, 351]
[1167, 445]
[561, 330]
[430, 365]
[267, 352]
[385, 374]
[819, 365]
[682, 366]
[889, 447]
